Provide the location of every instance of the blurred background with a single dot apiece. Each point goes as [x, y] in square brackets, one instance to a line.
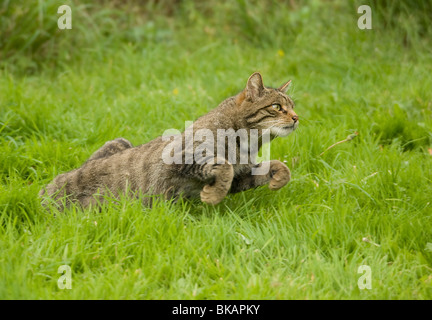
[29, 36]
[130, 54]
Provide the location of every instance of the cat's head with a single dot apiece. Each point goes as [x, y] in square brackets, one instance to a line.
[267, 108]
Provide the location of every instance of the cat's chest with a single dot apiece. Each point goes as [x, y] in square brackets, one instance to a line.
[240, 169]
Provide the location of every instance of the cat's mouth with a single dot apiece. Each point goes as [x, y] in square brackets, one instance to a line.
[285, 130]
[289, 127]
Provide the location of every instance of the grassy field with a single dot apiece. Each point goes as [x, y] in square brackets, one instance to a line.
[133, 72]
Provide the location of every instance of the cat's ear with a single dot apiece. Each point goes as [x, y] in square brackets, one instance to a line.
[255, 86]
[284, 88]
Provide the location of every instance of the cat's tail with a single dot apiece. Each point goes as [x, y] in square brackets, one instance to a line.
[56, 191]
[41, 193]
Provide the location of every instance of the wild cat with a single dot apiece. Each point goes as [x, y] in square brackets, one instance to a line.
[119, 168]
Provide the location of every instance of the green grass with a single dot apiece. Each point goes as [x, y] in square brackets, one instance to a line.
[303, 242]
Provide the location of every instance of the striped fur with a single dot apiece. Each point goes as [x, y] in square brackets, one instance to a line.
[118, 167]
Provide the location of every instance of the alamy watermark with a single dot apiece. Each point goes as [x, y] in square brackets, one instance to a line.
[365, 281]
[365, 20]
[65, 281]
[65, 20]
[201, 146]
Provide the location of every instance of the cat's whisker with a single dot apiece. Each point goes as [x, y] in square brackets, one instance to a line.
[270, 121]
[269, 128]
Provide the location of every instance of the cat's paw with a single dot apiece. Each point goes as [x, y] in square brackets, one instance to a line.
[280, 175]
[212, 194]
[223, 174]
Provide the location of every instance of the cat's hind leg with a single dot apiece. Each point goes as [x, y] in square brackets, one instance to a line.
[110, 148]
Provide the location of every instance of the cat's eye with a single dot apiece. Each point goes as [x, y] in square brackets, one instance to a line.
[276, 106]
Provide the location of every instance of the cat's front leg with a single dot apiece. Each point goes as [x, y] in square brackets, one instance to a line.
[274, 173]
[280, 175]
[222, 173]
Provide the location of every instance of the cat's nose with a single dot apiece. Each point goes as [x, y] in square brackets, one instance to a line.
[295, 118]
